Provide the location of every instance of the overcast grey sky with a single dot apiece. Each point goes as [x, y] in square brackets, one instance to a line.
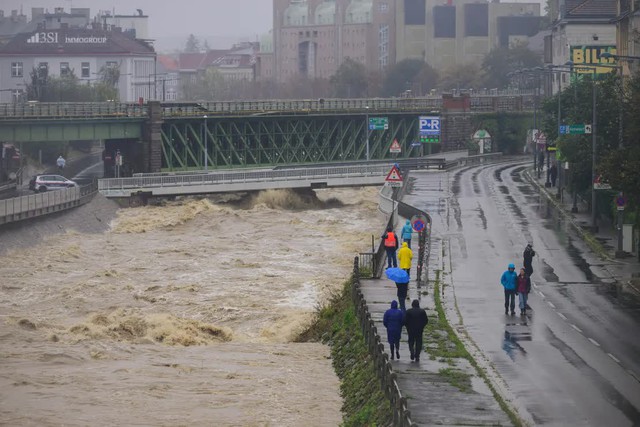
[219, 18]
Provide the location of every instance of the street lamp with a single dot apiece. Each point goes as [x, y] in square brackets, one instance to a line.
[206, 149]
[366, 123]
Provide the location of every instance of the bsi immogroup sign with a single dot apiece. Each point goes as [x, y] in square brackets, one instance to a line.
[54, 37]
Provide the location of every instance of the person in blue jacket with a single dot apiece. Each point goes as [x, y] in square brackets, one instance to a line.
[407, 232]
[393, 320]
[509, 281]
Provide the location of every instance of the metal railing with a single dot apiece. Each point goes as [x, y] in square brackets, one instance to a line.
[109, 185]
[20, 208]
[401, 416]
[508, 101]
[71, 110]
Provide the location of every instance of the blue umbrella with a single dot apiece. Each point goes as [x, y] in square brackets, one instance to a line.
[398, 275]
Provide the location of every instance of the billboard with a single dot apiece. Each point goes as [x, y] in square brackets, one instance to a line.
[592, 56]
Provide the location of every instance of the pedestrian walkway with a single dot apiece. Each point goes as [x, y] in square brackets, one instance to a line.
[625, 269]
[439, 390]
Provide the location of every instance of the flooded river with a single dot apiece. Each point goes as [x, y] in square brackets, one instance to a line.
[180, 314]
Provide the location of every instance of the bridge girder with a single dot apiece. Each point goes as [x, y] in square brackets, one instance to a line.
[282, 140]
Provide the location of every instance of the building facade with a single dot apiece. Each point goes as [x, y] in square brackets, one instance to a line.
[582, 31]
[312, 38]
[628, 34]
[448, 33]
[83, 52]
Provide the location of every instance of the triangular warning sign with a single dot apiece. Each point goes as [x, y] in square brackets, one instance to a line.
[393, 175]
[395, 145]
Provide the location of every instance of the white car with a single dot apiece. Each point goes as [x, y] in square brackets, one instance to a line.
[41, 183]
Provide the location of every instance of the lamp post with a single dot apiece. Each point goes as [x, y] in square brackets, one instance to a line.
[206, 148]
[535, 119]
[366, 123]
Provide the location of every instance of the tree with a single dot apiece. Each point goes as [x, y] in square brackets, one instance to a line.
[576, 103]
[208, 86]
[193, 44]
[67, 88]
[502, 61]
[407, 75]
[205, 46]
[350, 80]
[463, 76]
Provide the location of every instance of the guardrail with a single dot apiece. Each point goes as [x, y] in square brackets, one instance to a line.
[71, 110]
[472, 160]
[384, 371]
[123, 187]
[21, 208]
[107, 110]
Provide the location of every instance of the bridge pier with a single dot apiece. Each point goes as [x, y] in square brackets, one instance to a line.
[152, 139]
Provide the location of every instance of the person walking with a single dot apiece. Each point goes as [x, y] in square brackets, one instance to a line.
[405, 255]
[415, 320]
[393, 320]
[390, 239]
[403, 291]
[527, 259]
[509, 283]
[553, 174]
[540, 161]
[61, 162]
[407, 233]
[523, 288]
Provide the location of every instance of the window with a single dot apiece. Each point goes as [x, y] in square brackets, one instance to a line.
[17, 95]
[112, 64]
[43, 66]
[64, 69]
[414, 12]
[86, 69]
[383, 7]
[383, 46]
[16, 69]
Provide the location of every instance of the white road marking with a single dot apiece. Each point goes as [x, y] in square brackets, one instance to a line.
[541, 294]
[551, 304]
[534, 285]
[594, 342]
[613, 357]
[563, 316]
[633, 374]
[576, 328]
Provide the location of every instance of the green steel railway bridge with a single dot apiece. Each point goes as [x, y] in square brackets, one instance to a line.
[166, 137]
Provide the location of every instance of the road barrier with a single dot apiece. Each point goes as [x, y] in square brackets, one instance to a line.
[384, 370]
[25, 207]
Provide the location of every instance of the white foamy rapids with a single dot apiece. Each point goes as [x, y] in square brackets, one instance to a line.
[186, 304]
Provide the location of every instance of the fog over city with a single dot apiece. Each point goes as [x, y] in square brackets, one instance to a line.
[221, 22]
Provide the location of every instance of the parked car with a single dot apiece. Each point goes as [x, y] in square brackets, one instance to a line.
[41, 183]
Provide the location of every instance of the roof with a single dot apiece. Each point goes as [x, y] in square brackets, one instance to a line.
[199, 60]
[75, 42]
[590, 8]
[168, 63]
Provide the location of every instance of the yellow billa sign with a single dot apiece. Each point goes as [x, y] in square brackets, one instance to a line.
[592, 56]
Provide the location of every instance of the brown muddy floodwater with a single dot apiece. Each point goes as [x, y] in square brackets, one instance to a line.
[181, 314]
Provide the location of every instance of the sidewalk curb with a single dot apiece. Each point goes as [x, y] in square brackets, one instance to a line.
[484, 367]
[584, 235]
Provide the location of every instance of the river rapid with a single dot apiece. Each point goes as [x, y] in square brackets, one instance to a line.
[181, 314]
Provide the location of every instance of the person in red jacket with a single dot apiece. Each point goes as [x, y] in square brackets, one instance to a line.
[523, 287]
[390, 240]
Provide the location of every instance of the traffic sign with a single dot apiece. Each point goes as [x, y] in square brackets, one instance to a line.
[621, 202]
[395, 147]
[429, 125]
[416, 144]
[599, 185]
[430, 139]
[393, 177]
[419, 223]
[579, 129]
[378, 123]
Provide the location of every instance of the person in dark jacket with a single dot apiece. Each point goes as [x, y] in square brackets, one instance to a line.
[553, 174]
[390, 241]
[403, 291]
[509, 281]
[407, 233]
[527, 259]
[415, 320]
[393, 320]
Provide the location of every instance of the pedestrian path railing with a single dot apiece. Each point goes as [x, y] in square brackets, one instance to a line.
[21, 208]
[384, 370]
[245, 180]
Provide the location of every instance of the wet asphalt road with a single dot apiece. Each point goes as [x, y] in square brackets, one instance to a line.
[573, 360]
